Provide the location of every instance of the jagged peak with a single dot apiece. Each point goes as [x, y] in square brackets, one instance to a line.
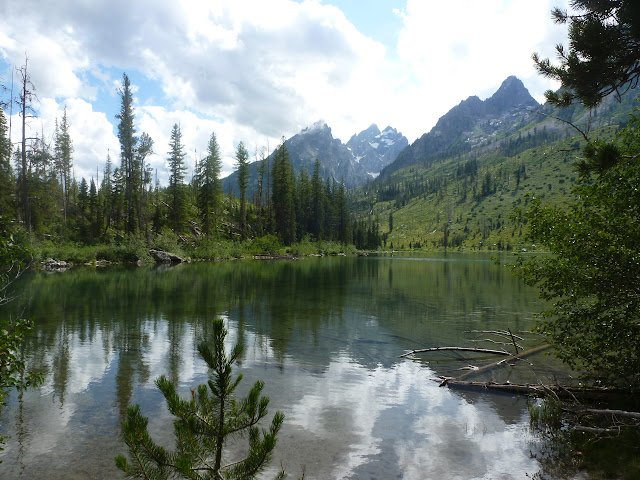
[511, 93]
[318, 126]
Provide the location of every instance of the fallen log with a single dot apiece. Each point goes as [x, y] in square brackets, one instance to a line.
[456, 349]
[534, 390]
[500, 362]
[597, 431]
[502, 333]
[606, 411]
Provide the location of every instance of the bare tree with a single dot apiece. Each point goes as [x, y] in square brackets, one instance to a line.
[25, 101]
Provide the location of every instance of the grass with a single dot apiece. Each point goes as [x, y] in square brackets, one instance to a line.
[135, 249]
[473, 221]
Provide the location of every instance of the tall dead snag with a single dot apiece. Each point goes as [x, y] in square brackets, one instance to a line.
[27, 94]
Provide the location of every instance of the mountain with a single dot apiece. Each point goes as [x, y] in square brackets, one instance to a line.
[474, 174]
[472, 123]
[360, 160]
[317, 142]
[374, 150]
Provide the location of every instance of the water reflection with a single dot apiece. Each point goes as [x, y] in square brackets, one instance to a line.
[323, 334]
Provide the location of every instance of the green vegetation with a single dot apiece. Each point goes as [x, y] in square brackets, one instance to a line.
[126, 214]
[474, 202]
[204, 425]
[603, 56]
[14, 372]
[593, 277]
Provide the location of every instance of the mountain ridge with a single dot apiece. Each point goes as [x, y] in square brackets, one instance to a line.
[465, 125]
[355, 164]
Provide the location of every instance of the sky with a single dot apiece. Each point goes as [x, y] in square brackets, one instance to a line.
[259, 70]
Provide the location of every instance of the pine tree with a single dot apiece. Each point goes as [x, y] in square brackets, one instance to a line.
[203, 425]
[106, 193]
[95, 217]
[242, 159]
[319, 200]
[7, 211]
[143, 179]
[128, 144]
[177, 188]
[209, 187]
[303, 202]
[83, 195]
[63, 158]
[342, 212]
[283, 196]
[603, 55]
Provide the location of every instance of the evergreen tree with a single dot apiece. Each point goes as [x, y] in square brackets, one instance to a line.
[7, 210]
[342, 212]
[43, 188]
[63, 158]
[303, 202]
[95, 217]
[106, 194]
[128, 144]
[209, 195]
[262, 170]
[242, 159]
[203, 425]
[592, 277]
[177, 188]
[283, 196]
[603, 55]
[143, 179]
[319, 201]
[330, 211]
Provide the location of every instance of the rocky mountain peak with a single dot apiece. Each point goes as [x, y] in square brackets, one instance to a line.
[512, 93]
[318, 127]
[470, 124]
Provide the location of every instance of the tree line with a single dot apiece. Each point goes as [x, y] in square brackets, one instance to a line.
[40, 192]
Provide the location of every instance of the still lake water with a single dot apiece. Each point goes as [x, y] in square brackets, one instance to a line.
[323, 333]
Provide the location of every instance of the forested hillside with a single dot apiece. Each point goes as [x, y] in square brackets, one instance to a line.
[474, 199]
[128, 211]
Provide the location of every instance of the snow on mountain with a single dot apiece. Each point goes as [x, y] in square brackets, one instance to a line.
[376, 149]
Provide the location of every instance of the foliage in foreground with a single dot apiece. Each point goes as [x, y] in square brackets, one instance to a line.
[593, 276]
[203, 426]
[13, 367]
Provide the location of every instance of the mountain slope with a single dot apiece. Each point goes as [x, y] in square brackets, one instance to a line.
[474, 199]
[470, 124]
[370, 150]
[374, 150]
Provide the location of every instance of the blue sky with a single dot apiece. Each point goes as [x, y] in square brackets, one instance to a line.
[258, 70]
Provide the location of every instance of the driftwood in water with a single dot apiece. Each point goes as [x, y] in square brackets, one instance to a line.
[502, 333]
[606, 411]
[536, 391]
[500, 362]
[456, 349]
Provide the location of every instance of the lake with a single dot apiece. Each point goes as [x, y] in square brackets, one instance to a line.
[323, 334]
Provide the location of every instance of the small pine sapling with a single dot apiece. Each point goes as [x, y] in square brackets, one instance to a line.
[203, 425]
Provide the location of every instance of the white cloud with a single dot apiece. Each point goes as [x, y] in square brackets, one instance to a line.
[91, 133]
[254, 71]
[461, 48]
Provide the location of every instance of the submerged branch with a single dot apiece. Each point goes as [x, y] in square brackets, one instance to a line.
[537, 390]
[458, 349]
